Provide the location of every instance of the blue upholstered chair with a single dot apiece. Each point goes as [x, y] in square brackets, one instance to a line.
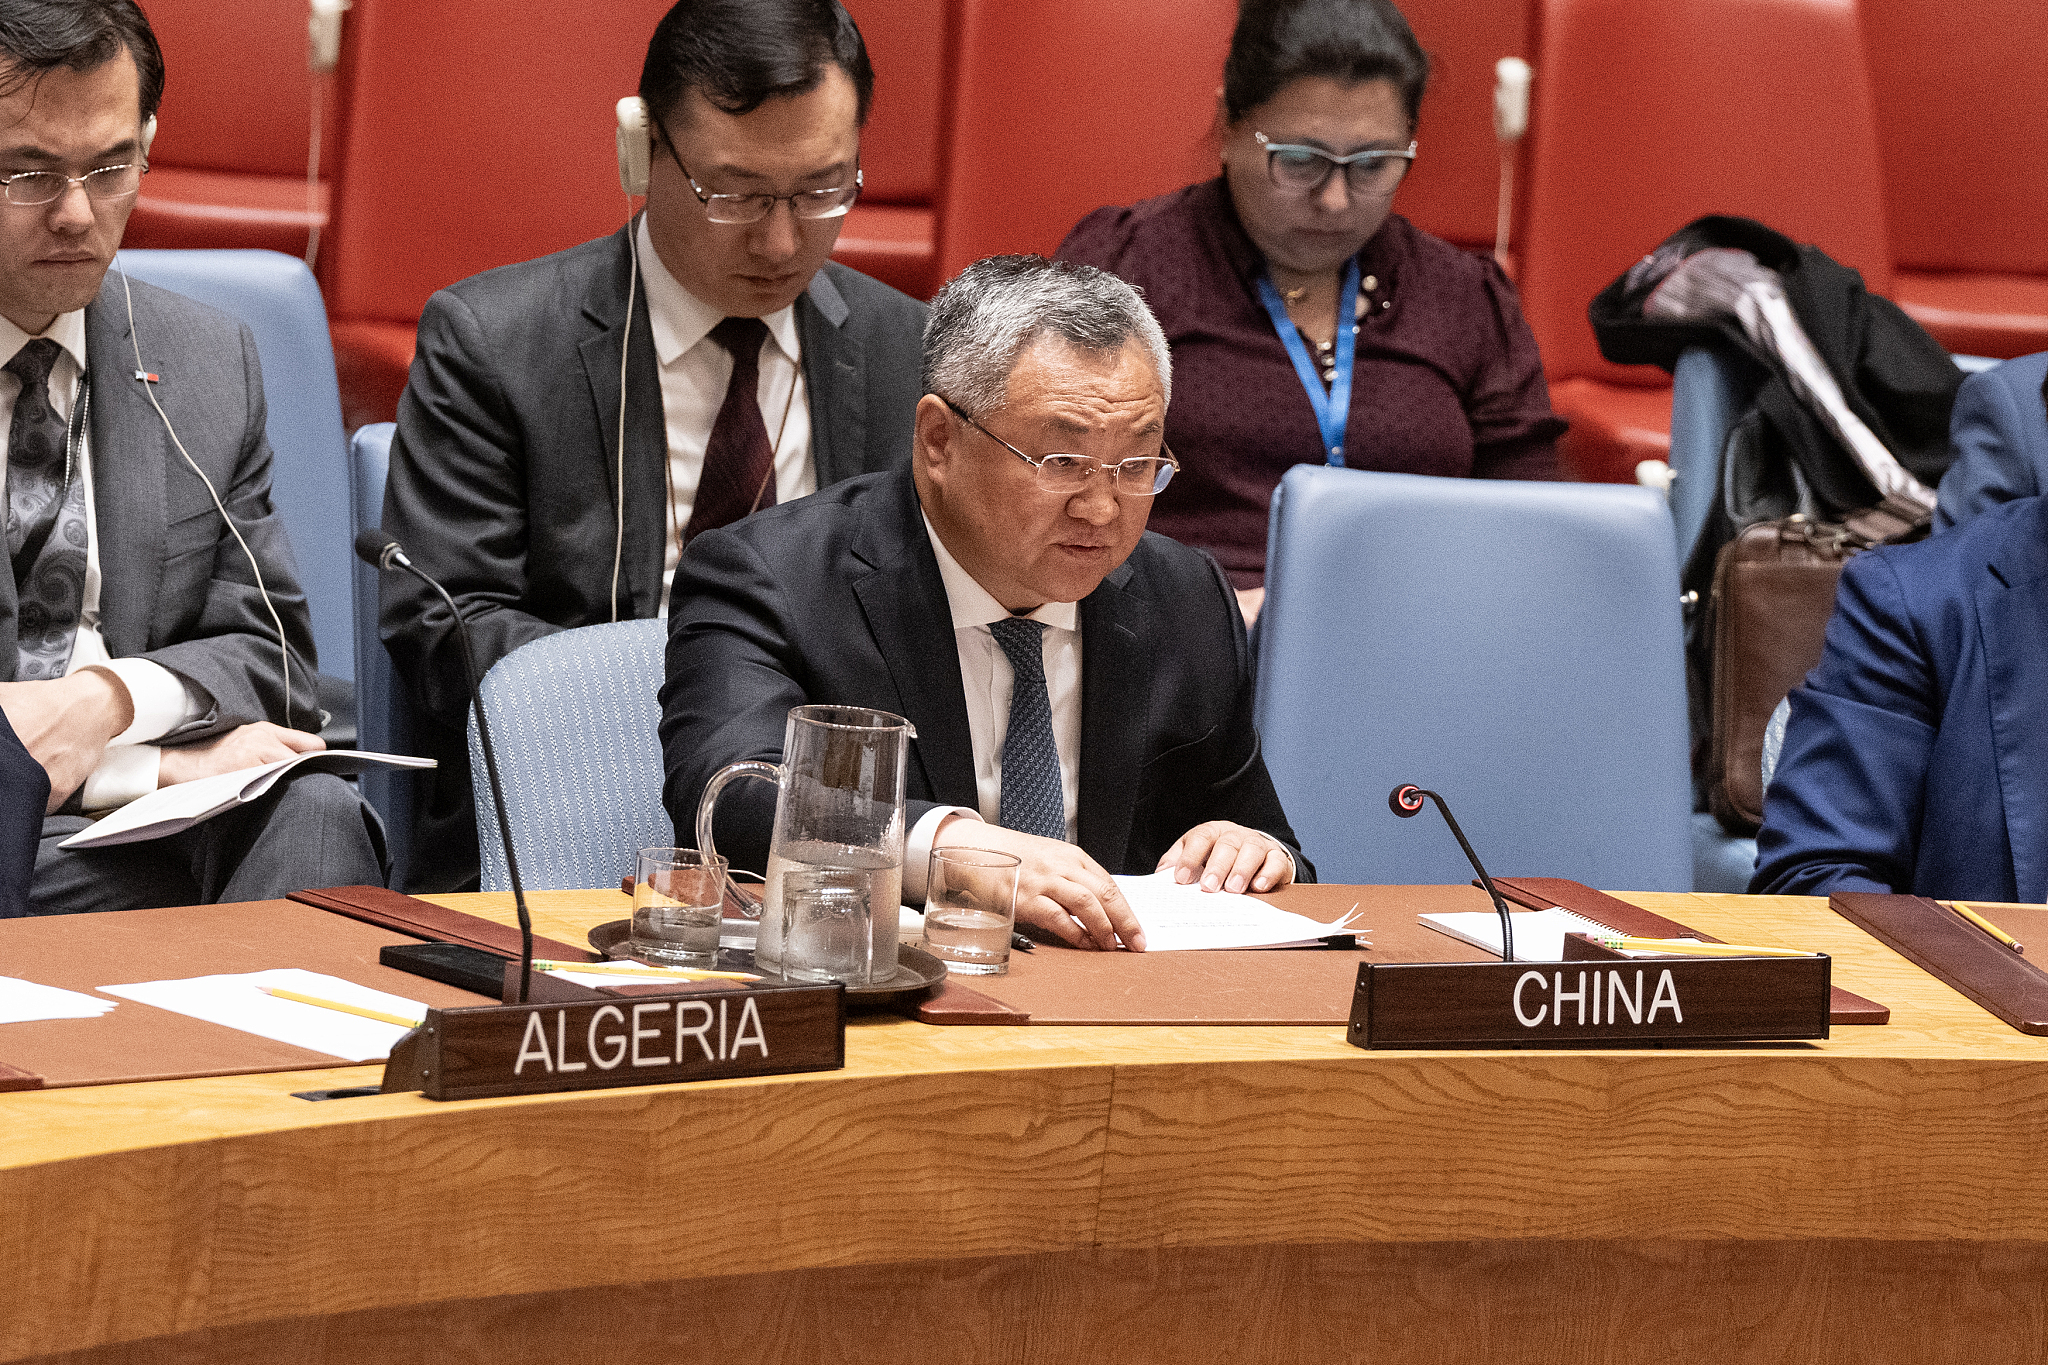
[1515, 646]
[384, 713]
[278, 299]
[573, 717]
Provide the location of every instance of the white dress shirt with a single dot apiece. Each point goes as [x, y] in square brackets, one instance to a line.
[695, 372]
[987, 680]
[161, 698]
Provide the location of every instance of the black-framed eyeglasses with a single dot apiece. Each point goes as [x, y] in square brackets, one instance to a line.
[31, 188]
[1373, 173]
[810, 205]
[1142, 476]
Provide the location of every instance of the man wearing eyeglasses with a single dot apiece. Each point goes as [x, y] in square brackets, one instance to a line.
[1081, 690]
[139, 648]
[754, 370]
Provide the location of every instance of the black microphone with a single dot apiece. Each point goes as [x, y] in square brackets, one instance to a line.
[381, 552]
[1405, 801]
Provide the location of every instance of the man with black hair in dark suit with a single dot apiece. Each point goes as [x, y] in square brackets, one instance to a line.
[1081, 689]
[755, 372]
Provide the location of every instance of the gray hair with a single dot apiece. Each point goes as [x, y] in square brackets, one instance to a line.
[991, 311]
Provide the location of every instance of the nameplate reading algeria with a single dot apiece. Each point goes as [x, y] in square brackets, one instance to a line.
[1588, 1003]
[612, 1040]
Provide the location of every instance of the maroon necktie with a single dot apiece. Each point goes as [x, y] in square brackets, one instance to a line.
[739, 465]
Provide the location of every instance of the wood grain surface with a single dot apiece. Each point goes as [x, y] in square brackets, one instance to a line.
[1243, 1194]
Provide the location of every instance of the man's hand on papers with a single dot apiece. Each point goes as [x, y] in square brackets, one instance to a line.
[1060, 889]
[1227, 857]
[65, 724]
[245, 746]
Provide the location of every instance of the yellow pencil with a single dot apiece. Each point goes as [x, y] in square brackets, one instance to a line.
[1692, 947]
[635, 969]
[1963, 908]
[365, 1012]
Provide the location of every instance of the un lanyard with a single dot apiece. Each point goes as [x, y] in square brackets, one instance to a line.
[1332, 409]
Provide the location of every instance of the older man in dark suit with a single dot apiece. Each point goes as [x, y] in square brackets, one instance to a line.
[1081, 689]
[144, 640]
[542, 494]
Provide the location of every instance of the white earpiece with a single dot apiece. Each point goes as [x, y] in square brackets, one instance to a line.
[635, 146]
[148, 134]
[1511, 77]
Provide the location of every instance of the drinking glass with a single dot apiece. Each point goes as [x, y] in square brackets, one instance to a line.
[678, 898]
[970, 909]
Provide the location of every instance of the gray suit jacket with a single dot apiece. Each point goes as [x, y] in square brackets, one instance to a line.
[175, 587]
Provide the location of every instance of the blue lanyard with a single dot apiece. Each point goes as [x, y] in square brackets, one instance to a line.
[1333, 410]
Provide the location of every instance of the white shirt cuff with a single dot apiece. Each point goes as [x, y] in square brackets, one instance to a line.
[126, 771]
[917, 849]
[161, 698]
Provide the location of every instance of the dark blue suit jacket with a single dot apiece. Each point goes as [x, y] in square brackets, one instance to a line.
[1916, 756]
[1998, 435]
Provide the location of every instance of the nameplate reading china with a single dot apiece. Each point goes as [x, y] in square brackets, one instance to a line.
[1588, 1003]
[621, 1039]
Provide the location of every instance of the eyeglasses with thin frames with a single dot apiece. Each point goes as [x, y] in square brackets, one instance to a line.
[1298, 169]
[740, 209]
[31, 188]
[1142, 476]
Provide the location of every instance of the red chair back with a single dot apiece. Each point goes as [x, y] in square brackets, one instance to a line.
[1057, 107]
[1648, 115]
[1964, 131]
[237, 94]
[1454, 189]
[899, 149]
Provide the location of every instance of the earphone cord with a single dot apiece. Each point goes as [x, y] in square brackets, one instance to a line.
[283, 650]
[625, 348]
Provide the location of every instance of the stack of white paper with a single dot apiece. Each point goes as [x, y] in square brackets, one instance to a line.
[25, 1002]
[1539, 934]
[237, 1002]
[1177, 918]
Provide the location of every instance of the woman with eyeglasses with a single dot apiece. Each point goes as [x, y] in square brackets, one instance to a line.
[1254, 276]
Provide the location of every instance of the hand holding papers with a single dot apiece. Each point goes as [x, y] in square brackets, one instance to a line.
[174, 809]
[1177, 918]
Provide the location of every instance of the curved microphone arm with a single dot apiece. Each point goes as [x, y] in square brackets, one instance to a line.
[374, 547]
[1405, 801]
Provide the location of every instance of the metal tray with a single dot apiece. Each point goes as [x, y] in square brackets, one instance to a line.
[916, 969]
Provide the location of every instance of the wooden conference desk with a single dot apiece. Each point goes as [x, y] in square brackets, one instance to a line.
[1077, 1194]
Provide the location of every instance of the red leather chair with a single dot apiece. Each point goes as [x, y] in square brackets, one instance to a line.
[1054, 108]
[480, 133]
[1454, 188]
[229, 165]
[1964, 135]
[1646, 116]
[891, 233]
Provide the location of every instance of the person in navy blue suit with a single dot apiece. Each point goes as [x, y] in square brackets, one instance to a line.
[1999, 436]
[1916, 754]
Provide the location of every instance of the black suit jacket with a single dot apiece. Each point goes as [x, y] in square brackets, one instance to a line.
[503, 472]
[837, 598]
[175, 587]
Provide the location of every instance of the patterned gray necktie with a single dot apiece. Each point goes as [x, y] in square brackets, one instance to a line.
[1033, 802]
[46, 531]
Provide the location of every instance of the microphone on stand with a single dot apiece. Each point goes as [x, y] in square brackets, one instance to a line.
[380, 551]
[1405, 801]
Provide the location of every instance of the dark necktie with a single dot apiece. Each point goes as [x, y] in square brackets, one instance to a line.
[1033, 802]
[46, 531]
[739, 464]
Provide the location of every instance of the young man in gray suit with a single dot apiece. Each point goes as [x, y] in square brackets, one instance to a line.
[546, 495]
[138, 644]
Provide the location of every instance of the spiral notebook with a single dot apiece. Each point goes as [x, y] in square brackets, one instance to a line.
[1539, 934]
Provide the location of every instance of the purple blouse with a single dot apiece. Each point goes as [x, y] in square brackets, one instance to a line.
[1446, 379]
